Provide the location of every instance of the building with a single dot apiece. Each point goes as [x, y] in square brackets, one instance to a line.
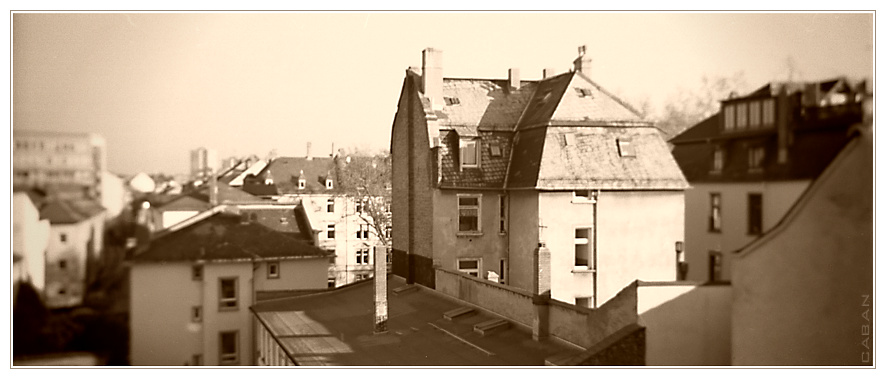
[750, 162]
[30, 240]
[340, 222]
[48, 158]
[75, 243]
[115, 194]
[204, 162]
[191, 289]
[489, 170]
[804, 290]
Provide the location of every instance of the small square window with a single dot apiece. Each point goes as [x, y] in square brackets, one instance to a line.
[197, 272]
[330, 231]
[273, 270]
[63, 237]
[625, 148]
[196, 314]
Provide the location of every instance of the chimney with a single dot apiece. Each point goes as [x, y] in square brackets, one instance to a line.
[514, 78]
[541, 284]
[582, 64]
[213, 189]
[432, 76]
[381, 289]
[782, 112]
[308, 152]
[547, 72]
[332, 150]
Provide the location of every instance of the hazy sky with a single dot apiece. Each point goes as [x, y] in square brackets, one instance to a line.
[159, 84]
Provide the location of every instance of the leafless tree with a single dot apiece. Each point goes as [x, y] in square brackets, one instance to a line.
[686, 108]
[366, 177]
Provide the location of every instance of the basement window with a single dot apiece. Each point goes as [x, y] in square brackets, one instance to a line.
[451, 101]
[625, 148]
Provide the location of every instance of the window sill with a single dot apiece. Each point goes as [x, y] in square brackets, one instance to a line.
[580, 201]
[469, 234]
[582, 270]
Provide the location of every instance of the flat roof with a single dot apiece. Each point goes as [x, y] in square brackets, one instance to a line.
[335, 328]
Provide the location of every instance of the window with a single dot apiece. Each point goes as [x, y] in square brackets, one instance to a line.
[495, 150]
[584, 195]
[196, 314]
[63, 237]
[469, 150]
[754, 116]
[584, 248]
[328, 183]
[756, 156]
[755, 213]
[584, 92]
[227, 299]
[363, 231]
[197, 272]
[301, 183]
[470, 266]
[503, 269]
[714, 223]
[361, 206]
[388, 232]
[715, 266]
[450, 101]
[718, 160]
[468, 213]
[330, 231]
[273, 270]
[228, 351]
[625, 149]
[728, 117]
[197, 360]
[569, 139]
[330, 206]
[502, 213]
[583, 302]
[768, 112]
[62, 264]
[741, 116]
[363, 256]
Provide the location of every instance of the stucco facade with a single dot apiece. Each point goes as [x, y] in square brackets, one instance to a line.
[67, 255]
[30, 238]
[702, 242]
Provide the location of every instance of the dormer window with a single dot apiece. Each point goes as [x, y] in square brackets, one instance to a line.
[754, 117]
[269, 181]
[301, 183]
[469, 153]
[741, 116]
[729, 117]
[756, 155]
[625, 148]
[768, 112]
[718, 160]
[328, 183]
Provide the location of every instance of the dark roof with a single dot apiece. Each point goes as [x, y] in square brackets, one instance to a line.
[335, 328]
[291, 221]
[69, 211]
[225, 236]
[286, 171]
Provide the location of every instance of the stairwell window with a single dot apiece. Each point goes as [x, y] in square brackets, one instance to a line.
[227, 299]
[714, 223]
[584, 249]
[470, 266]
[468, 213]
[469, 153]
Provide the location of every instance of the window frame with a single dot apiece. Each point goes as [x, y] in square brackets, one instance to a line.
[715, 213]
[719, 160]
[741, 116]
[755, 116]
[503, 213]
[478, 208]
[756, 157]
[222, 300]
[231, 358]
[329, 184]
[625, 147]
[715, 266]
[273, 265]
[755, 214]
[63, 237]
[579, 198]
[767, 117]
[589, 243]
[472, 271]
[729, 117]
[197, 272]
[330, 205]
[196, 314]
[463, 146]
[330, 231]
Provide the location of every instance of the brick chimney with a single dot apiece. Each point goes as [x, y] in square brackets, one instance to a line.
[514, 78]
[381, 289]
[582, 64]
[547, 72]
[308, 152]
[432, 76]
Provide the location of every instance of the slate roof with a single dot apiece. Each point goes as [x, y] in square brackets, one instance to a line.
[290, 222]
[285, 172]
[69, 211]
[224, 236]
[334, 328]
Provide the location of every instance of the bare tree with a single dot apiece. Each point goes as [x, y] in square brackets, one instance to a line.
[687, 107]
[366, 177]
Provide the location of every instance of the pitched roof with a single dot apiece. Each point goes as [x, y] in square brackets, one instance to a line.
[224, 236]
[334, 328]
[286, 171]
[486, 104]
[61, 211]
[289, 221]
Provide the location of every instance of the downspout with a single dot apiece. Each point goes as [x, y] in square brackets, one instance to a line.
[594, 248]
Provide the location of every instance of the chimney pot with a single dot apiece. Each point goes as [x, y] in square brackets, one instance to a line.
[514, 78]
[308, 151]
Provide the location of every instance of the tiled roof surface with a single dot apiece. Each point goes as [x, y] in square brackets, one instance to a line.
[594, 162]
[69, 211]
[224, 236]
[492, 169]
[545, 101]
[585, 101]
[483, 103]
[287, 221]
[334, 328]
[285, 172]
[706, 129]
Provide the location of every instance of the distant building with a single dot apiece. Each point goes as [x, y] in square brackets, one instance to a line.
[204, 162]
[486, 171]
[750, 162]
[142, 183]
[48, 159]
[804, 290]
[115, 195]
[75, 241]
[192, 288]
[30, 239]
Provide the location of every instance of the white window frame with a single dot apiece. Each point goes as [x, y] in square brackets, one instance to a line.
[625, 147]
[463, 145]
[328, 183]
[330, 205]
[474, 272]
[232, 358]
[224, 301]
[301, 183]
[330, 228]
[276, 273]
[478, 208]
[589, 241]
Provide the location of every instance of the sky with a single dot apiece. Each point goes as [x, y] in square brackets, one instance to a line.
[157, 85]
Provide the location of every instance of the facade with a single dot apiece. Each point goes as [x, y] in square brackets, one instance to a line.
[489, 170]
[750, 162]
[804, 290]
[75, 241]
[47, 159]
[30, 239]
[338, 221]
[204, 162]
[212, 267]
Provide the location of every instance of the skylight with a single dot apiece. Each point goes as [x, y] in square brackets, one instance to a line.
[584, 92]
[451, 101]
